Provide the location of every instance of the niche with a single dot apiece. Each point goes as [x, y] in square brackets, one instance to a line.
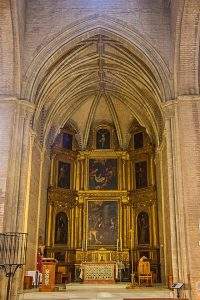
[61, 228]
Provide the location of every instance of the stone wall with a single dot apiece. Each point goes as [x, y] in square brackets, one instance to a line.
[46, 18]
[6, 119]
[189, 132]
[24, 29]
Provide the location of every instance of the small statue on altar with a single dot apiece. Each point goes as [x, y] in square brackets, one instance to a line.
[120, 268]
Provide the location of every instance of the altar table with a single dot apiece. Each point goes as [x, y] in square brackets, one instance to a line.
[99, 272]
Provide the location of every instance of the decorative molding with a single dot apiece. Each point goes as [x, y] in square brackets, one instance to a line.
[103, 194]
[143, 197]
[103, 153]
[146, 150]
[58, 197]
[59, 153]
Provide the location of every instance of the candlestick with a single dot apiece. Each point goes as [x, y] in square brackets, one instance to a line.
[120, 244]
[86, 245]
[82, 245]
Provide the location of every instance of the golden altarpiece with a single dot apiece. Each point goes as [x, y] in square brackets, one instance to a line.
[102, 204]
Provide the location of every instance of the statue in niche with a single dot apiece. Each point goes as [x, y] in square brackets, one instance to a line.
[67, 141]
[64, 175]
[103, 139]
[138, 140]
[143, 228]
[141, 174]
[61, 228]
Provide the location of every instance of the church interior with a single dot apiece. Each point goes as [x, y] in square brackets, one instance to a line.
[99, 152]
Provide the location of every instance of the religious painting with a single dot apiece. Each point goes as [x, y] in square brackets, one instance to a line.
[141, 174]
[102, 223]
[61, 228]
[64, 175]
[67, 141]
[138, 140]
[103, 139]
[103, 174]
[143, 228]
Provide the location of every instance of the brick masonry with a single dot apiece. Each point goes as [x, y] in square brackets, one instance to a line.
[173, 31]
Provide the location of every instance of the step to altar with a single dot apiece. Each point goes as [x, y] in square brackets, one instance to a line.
[100, 292]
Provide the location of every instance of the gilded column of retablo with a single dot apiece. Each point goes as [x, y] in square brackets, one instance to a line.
[80, 227]
[125, 225]
[78, 174]
[123, 174]
[49, 219]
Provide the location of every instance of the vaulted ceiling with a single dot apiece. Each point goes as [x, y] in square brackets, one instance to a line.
[101, 80]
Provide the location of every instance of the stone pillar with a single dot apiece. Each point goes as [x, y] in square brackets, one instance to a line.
[33, 213]
[18, 168]
[163, 210]
[15, 151]
[182, 136]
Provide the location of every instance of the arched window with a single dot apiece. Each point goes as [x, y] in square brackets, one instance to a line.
[103, 139]
[61, 228]
[143, 228]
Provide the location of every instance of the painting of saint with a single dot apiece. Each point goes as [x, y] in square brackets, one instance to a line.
[61, 228]
[102, 223]
[141, 174]
[103, 139]
[67, 141]
[143, 228]
[102, 174]
[138, 140]
[64, 175]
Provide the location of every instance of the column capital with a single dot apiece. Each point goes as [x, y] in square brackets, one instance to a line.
[170, 106]
[23, 104]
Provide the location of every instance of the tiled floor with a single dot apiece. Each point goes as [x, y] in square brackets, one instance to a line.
[99, 292]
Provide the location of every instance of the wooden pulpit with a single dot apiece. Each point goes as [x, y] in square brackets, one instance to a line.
[48, 274]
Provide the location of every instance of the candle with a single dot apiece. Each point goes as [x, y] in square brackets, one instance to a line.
[120, 244]
[117, 244]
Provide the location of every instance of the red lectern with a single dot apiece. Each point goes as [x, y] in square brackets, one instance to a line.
[48, 275]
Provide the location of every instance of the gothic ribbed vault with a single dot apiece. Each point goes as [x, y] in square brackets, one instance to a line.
[99, 79]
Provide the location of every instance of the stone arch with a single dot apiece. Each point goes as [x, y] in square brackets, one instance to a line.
[51, 49]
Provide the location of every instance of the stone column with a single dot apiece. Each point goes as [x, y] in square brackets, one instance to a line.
[188, 114]
[163, 210]
[18, 168]
[15, 150]
[183, 143]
